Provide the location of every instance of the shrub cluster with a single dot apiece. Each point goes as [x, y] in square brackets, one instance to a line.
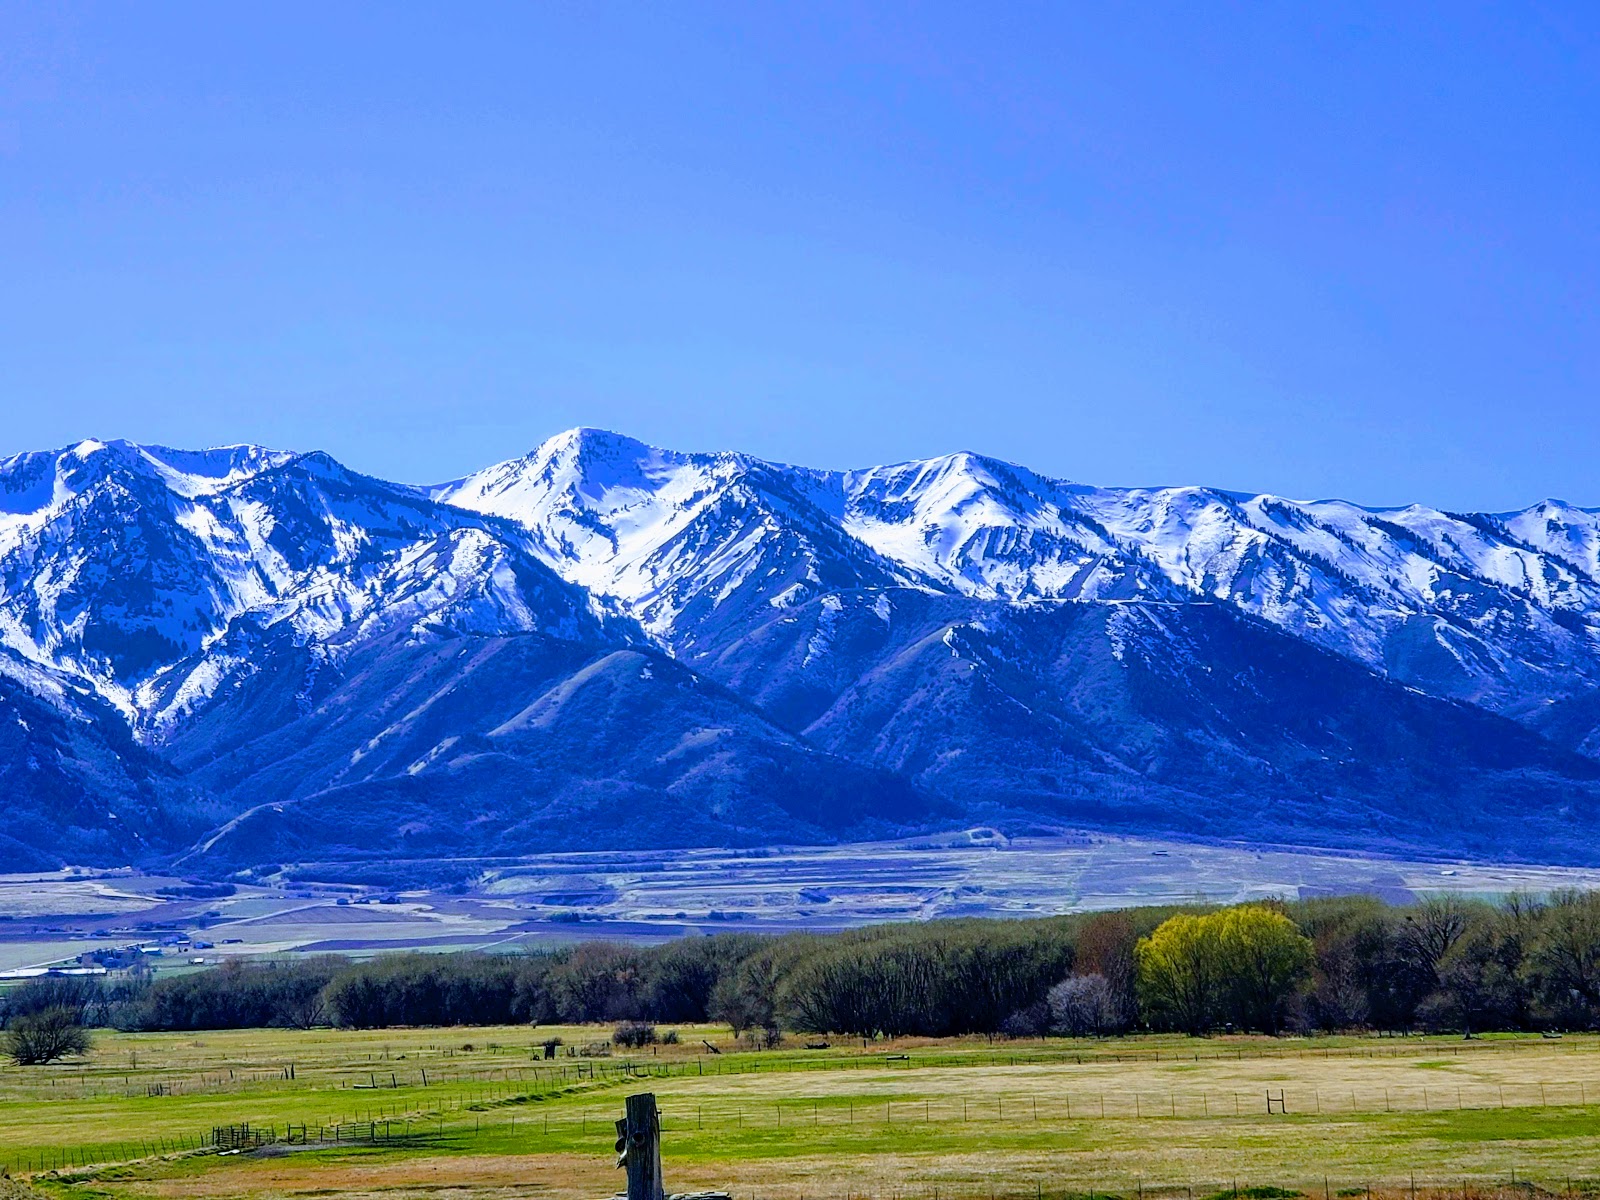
[634, 1034]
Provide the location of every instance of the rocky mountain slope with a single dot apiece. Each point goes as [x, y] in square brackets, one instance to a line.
[1500, 609]
[242, 655]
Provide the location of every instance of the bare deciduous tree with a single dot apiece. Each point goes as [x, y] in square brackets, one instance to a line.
[43, 1037]
[1083, 1006]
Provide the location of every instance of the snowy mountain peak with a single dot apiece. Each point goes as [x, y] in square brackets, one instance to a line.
[79, 467]
[127, 566]
[1428, 595]
[121, 564]
[673, 537]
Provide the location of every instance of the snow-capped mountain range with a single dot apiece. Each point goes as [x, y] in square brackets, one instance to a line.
[178, 592]
[1501, 609]
[133, 568]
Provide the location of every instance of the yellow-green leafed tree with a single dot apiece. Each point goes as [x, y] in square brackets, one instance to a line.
[1266, 961]
[1180, 973]
[1242, 965]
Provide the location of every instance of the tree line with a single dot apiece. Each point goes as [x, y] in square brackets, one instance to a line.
[1319, 964]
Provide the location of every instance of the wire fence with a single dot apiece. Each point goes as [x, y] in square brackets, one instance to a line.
[226, 1139]
[93, 1081]
[497, 1101]
[510, 1121]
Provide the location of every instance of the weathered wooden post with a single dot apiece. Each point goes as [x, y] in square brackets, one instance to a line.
[639, 1148]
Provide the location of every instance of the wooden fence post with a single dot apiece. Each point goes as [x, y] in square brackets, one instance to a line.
[639, 1147]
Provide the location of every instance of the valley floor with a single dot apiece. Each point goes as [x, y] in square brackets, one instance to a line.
[488, 1116]
[558, 898]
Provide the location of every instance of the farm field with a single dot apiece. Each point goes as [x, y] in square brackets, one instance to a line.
[50, 919]
[559, 898]
[487, 1116]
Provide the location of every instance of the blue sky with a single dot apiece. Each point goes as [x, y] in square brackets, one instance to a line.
[1319, 250]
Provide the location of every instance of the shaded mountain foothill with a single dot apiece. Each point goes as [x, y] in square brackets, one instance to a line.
[473, 745]
[75, 787]
[1158, 717]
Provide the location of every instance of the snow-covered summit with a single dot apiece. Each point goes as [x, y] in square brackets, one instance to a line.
[127, 566]
[31, 480]
[671, 536]
[1479, 606]
[123, 564]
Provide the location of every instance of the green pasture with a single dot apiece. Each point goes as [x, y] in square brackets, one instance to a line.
[1164, 1116]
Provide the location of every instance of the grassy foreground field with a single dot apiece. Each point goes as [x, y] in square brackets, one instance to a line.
[488, 1117]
